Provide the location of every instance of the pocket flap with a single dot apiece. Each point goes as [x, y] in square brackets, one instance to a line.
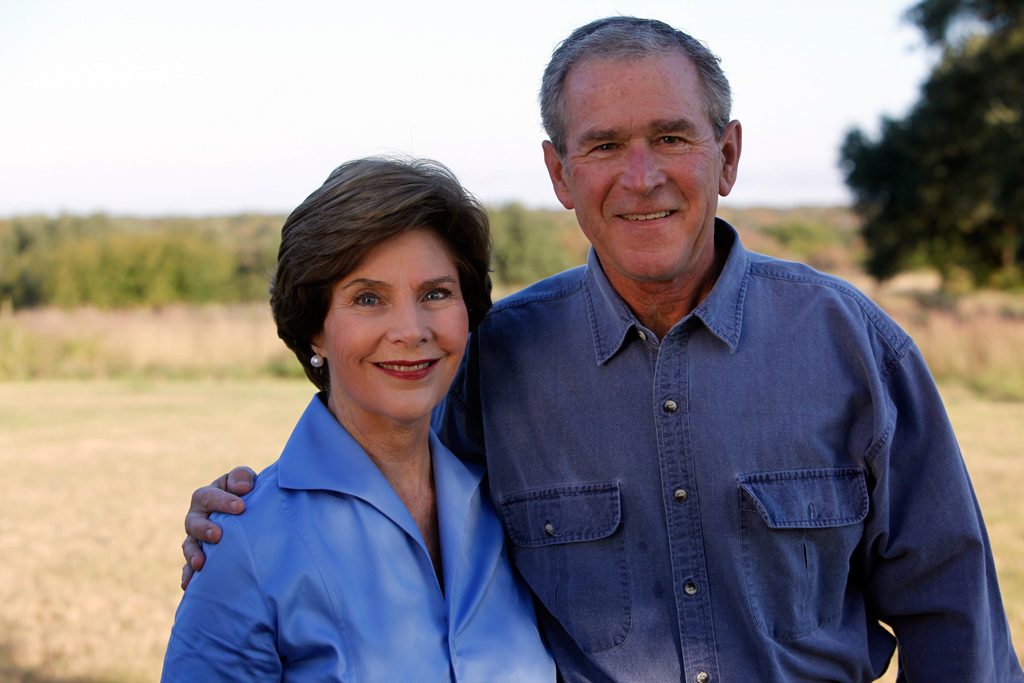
[565, 514]
[808, 498]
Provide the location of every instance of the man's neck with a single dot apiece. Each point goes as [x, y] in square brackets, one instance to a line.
[660, 305]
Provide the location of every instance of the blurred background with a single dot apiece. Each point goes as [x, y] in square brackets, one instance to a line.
[149, 153]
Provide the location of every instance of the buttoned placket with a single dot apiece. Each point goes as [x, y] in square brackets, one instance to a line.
[681, 496]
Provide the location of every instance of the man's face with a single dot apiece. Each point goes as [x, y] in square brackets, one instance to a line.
[642, 168]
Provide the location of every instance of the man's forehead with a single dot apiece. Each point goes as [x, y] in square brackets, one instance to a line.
[674, 69]
[630, 62]
[659, 94]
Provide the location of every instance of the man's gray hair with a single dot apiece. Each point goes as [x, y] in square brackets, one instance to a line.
[623, 39]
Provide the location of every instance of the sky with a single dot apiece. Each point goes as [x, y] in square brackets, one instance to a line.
[200, 107]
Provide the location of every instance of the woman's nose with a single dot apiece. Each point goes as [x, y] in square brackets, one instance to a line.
[408, 325]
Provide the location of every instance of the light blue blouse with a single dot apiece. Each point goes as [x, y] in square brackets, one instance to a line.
[326, 577]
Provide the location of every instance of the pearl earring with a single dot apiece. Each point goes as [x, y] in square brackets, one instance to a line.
[317, 360]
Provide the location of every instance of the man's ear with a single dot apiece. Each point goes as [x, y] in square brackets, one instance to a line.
[731, 144]
[556, 171]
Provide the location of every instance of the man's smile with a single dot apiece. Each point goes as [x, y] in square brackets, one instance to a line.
[646, 216]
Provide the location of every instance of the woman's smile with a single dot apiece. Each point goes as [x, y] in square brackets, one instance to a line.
[409, 370]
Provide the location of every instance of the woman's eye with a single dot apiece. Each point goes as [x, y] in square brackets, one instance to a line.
[366, 300]
[438, 294]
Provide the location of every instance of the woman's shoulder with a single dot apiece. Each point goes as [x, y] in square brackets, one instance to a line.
[262, 504]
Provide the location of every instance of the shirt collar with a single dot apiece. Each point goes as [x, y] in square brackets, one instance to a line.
[721, 311]
[322, 455]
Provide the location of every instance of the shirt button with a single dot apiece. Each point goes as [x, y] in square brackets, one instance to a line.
[549, 529]
[690, 588]
[642, 335]
[670, 406]
[701, 677]
[681, 495]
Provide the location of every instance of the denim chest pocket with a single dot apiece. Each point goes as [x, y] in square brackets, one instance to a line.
[568, 545]
[799, 532]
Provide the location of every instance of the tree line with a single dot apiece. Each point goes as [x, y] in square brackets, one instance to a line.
[115, 262]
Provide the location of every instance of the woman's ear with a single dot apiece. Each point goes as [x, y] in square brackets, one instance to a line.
[316, 343]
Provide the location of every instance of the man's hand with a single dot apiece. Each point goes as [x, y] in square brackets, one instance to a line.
[220, 496]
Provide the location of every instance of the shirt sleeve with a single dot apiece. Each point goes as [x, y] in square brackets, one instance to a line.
[929, 568]
[222, 629]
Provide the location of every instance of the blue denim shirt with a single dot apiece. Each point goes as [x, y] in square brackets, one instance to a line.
[743, 500]
[326, 578]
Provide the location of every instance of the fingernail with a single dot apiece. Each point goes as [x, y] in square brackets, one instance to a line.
[209, 534]
[235, 506]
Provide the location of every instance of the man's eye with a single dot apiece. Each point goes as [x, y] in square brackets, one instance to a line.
[670, 139]
[606, 147]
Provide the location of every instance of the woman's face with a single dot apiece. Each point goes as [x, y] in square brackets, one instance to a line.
[394, 334]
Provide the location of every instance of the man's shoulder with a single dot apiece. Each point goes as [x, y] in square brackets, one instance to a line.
[799, 273]
[556, 288]
[799, 280]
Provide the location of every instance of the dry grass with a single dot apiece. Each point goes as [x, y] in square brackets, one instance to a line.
[173, 341]
[97, 476]
[976, 340]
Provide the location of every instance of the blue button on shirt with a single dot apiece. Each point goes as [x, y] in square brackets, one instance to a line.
[326, 578]
[743, 500]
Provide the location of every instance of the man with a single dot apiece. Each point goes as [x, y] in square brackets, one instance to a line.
[712, 465]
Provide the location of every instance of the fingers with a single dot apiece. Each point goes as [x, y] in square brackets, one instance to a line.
[193, 552]
[220, 496]
[197, 522]
[194, 560]
[241, 480]
[214, 498]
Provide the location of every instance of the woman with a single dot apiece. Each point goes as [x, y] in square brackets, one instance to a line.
[368, 552]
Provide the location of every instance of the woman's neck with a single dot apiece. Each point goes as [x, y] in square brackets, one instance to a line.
[402, 454]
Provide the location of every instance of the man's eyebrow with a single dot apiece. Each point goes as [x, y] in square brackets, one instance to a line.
[594, 136]
[683, 125]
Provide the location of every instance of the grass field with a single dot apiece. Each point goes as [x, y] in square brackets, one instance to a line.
[97, 476]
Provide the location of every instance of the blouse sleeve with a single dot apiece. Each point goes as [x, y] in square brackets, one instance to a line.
[223, 629]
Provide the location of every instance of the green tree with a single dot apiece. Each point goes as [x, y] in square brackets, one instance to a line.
[115, 262]
[944, 186]
[527, 245]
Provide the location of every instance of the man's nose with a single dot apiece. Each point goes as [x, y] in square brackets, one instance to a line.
[643, 170]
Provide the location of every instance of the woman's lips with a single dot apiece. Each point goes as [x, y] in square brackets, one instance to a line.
[410, 370]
